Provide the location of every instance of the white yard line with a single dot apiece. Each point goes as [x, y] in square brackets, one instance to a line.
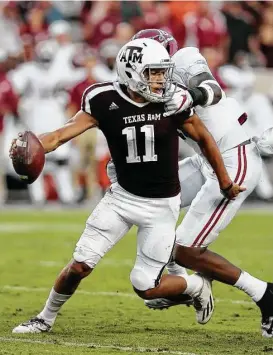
[13, 227]
[247, 208]
[105, 293]
[103, 262]
[96, 346]
[81, 292]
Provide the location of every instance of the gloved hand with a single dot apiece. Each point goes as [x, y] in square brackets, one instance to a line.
[181, 101]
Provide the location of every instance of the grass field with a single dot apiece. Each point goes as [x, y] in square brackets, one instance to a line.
[105, 317]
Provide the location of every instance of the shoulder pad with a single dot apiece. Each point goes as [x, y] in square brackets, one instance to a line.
[189, 62]
[92, 92]
[185, 56]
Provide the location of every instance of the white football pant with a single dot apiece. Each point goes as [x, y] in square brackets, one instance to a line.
[113, 217]
[209, 211]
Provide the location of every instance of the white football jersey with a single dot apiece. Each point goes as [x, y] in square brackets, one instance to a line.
[220, 119]
[43, 102]
[42, 97]
[240, 82]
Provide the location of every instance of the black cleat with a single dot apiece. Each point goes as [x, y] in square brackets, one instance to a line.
[266, 307]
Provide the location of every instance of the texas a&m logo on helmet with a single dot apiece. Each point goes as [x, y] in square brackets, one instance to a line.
[131, 55]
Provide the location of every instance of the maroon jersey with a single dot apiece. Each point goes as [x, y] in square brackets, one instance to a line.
[143, 144]
[76, 93]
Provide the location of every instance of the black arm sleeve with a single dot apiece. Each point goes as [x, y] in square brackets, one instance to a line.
[200, 94]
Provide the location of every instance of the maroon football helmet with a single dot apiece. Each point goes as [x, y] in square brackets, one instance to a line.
[163, 37]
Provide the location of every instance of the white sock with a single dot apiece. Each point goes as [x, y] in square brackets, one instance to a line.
[53, 304]
[194, 285]
[253, 287]
[175, 269]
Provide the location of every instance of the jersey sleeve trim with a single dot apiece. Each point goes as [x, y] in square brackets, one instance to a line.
[91, 92]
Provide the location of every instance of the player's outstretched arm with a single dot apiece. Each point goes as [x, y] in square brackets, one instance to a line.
[78, 124]
[195, 128]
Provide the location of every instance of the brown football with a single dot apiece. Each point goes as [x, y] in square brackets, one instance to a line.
[29, 157]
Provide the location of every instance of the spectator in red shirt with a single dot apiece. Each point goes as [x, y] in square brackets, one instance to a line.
[85, 173]
[170, 23]
[215, 59]
[8, 105]
[100, 20]
[205, 28]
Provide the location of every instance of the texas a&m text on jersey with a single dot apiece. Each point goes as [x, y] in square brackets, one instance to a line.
[141, 140]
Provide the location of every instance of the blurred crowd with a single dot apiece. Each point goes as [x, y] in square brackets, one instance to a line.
[51, 51]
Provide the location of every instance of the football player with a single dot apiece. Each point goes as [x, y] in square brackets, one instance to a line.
[144, 147]
[209, 211]
[43, 109]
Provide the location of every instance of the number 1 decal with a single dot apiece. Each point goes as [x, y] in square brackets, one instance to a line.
[133, 156]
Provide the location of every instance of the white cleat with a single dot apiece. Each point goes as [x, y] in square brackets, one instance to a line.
[165, 303]
[34, 325]
[204, 303]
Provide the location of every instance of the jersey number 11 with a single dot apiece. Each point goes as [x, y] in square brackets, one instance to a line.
[133, 156]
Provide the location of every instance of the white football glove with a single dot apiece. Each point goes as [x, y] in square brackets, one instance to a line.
[181, 101]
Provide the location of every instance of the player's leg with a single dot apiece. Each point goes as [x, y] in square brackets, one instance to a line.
[208, 215]
[258, 105]
[210, 212]
[191, 180]
[64, 182]
[104, 228]
[37, 191]
[62, 173]
[156, 237]
[264, 189]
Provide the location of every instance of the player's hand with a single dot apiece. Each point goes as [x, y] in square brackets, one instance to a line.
[181, 101]
[232, 191]
[14, 145]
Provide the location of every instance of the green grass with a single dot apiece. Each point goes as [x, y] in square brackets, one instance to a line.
[35, 246]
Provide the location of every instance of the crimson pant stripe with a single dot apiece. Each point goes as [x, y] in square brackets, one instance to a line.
[228, 201]
[245, 165]
[223, 203]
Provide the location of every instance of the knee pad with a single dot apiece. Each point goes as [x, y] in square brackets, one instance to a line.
[144, 279]
[86, 256]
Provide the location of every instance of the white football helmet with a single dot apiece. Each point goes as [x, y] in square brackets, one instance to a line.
[45, 52]
[136, 59]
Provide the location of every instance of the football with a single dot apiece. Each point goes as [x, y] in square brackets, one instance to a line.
[28, 157]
